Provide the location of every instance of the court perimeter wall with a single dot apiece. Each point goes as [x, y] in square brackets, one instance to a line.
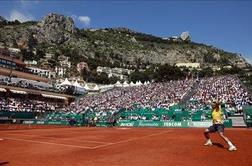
[139, 123]
[182, 124]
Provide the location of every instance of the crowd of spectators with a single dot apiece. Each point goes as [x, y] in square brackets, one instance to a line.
[154, 95]
[25, 105]
[228, 90]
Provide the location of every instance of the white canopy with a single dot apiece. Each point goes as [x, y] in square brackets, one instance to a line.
[118, 84]
[66, 82]
[132, 84]
[86, 87]
[96, 88]
[138, 83]
[54, 96]
[107, 86]
[125, 84]
[76, 84]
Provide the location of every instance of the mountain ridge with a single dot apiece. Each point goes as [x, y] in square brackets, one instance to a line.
[120, 46]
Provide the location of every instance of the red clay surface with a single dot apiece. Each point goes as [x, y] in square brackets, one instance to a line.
[121, 146]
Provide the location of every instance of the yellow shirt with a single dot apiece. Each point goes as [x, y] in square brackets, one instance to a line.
[217, 116]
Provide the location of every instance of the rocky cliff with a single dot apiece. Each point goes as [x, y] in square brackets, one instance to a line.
[116, 46]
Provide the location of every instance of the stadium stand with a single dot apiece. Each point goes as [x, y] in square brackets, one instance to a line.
[146, 105]
[248, 115]
[226, 89]
[159, 101]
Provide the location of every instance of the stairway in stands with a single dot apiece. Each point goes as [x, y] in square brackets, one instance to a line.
[238, 121]
[189, 94]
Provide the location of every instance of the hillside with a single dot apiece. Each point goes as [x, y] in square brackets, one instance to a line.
[116, 47]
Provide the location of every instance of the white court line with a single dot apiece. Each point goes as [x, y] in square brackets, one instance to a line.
[86, 147]
[99, 142]
[64, 139]
[132, 139]
[121, 128]
[49, 143]
[239, 129]
[20, 134]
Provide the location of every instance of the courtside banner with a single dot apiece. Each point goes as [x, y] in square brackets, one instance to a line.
[201, 124]
[171, 124]
[140, 123]
[183, 124]
[41, 122]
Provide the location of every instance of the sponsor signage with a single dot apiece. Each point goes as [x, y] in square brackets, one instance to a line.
[153, 124]
[140, 123]
[172, 124]
[41, 122]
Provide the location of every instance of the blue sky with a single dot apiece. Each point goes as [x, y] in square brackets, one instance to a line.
[225, 24]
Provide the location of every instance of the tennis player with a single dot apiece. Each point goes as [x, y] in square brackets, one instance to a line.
[217, 126]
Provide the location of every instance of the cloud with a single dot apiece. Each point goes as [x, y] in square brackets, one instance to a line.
[28, 3]
[85, 20]
[22, 17]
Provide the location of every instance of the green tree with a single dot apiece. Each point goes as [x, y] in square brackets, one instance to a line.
[40, 54]
[209, 58]
[206, 72]
[233, 70]
[138, 76]
[167, 72]
[28, 55]
[101, 78]
[113, 80]
[85, 74]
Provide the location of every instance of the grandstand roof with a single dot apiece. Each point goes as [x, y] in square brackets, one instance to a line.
[17, 61]
[21, 74]
[47, 94]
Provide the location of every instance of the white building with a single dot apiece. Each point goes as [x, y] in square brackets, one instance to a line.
[42, 72]
[65, 63]
[48, 55]
[121, 73]
[31, 63]
[14, 50]
[100, 69]
[60, 71]
[174, 38]
[188, 65]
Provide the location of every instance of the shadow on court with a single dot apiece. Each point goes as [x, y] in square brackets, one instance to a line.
[2, 163]
[218, 145]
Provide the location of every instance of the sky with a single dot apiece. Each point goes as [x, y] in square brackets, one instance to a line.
[225, 24]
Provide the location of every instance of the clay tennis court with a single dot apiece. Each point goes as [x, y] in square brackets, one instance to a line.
[120, 146]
